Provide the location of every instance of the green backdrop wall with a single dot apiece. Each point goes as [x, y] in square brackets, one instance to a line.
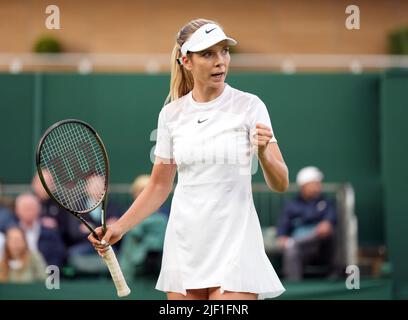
[394, 115]
[328, 120]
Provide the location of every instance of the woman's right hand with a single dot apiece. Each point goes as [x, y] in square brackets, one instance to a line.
[113, 234]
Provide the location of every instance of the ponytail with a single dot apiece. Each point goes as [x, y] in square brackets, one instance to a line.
[181, 81]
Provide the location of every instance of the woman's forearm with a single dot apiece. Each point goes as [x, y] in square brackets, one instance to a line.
[275, 171]
[152, 197]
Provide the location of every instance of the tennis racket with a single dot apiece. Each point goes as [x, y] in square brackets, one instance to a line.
[73, 167]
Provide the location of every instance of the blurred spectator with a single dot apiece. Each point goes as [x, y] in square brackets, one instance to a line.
[5, 201]
[138, 185]
[142, 246]
[2, 240]
[306, 227]
[52, 215]
[6, 214]
[6, 219]
[78, 232]
[42, 238]
[19, 264]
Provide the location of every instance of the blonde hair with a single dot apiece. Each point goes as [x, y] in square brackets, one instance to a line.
[181, 81]
[139, 184]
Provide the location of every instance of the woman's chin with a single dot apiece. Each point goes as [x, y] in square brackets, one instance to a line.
[217, 83]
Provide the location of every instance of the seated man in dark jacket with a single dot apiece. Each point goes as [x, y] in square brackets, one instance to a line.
[306, 226]
[52, 216]
[6, 219]
[44, 239]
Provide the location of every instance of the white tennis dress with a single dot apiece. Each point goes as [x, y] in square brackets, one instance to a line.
[213, 236]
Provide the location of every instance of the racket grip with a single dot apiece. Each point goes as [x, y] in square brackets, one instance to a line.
[116, 272]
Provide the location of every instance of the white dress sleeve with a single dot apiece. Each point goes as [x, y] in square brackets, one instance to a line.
[258, 113]
[164, 145]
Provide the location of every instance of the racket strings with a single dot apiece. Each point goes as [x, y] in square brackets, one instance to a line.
[56, 147]
[69, 156]
[83, 135]
[75, 160]
[76, 199]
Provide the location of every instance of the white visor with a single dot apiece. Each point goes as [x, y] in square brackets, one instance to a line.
[205, 37]
[309, 174]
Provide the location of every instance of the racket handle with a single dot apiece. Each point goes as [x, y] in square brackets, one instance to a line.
[116, 272]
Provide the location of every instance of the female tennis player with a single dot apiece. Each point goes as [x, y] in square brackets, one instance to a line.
[208, 132]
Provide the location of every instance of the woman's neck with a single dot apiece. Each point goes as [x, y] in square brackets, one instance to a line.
[205, 93]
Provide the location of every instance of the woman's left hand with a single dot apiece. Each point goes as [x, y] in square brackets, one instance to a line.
[261, 137]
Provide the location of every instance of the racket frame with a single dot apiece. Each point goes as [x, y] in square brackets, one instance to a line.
[103, 200]
[109, 256]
